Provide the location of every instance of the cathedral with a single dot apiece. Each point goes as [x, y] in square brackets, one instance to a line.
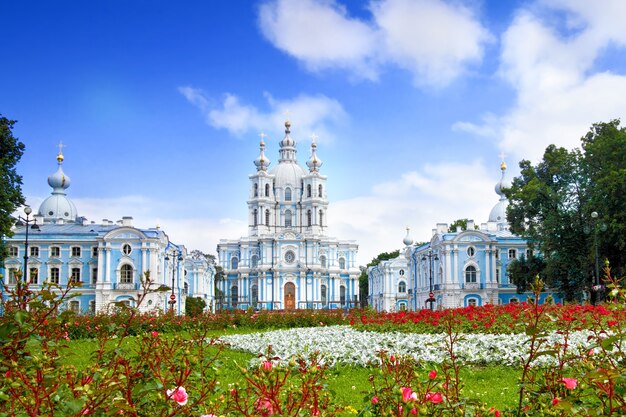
[287, 261]
[457, 268]
[107, 259]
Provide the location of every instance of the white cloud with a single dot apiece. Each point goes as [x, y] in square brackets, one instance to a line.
[320, 34]
[551, 63]
[434, 40]
[439, 193]
[308, 114]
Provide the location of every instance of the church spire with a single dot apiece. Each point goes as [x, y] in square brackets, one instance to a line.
[287, 146]
[262, 162]
[314, 163]
[57, 207]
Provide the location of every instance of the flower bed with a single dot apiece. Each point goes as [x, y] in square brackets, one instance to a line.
[345, 345]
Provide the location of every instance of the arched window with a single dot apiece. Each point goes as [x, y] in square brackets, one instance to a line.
[267, 190]
[267, 217]
[234, 294]
[319, 190]
[470, 274]
[234, 263]
[321, 218]
[402, 286]
[308, 218]
[256, 189]
[186, 289]
[126, 274]
[342, 263]
[324, 295]
[75, 275]
[342, 295]
[287, 194]
[287, 218]
[472, 302]
[254, 261]
[255, 214]
[254, 293]
[308, 190]
[323, 261]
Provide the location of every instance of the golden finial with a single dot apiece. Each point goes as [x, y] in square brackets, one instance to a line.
[60, 157]
[263, 136]
[503, 164]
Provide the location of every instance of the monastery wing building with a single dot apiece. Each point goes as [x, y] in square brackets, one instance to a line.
[287, 261]
[108, 258]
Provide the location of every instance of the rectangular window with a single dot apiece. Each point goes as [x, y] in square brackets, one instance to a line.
[12, 278]
[92, 306]
[498, 275]
[13, 251]
[55, 251]
[75, 306]
[94, 252]
[94, 275]
[512, 254]
[75, 277]
[529, 253]
[34, 276]
[54, 275]
[76, 252]
[34, 251]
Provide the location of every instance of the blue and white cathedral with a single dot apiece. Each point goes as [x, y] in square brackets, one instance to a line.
[288, 261]
[457, 268]
[107, 258]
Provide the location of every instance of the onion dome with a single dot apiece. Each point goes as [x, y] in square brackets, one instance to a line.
[262, 162]
[498, 212]
[287, 146]
[58, 206]
[407, 239]
[314, 163]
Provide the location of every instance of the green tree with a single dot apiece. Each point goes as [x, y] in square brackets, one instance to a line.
[552, 205]
[363, 283]
[459, 222]
[194, 306]
[11, 150]
[523, 271]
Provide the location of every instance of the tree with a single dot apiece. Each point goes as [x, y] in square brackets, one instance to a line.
[459, 222]
[194, 306]
[363, 282]
[11, 150]
[551, 205]
[522, 272]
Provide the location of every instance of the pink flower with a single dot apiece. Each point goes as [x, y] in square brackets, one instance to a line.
[570, 383]
[179, 395]
[414, 411]
[435, 398]
[264, 406]
[374, 400]
[406, 394]
[432, 374]
[154, 333]
[267, 365]
[555, 401]
[392, 359]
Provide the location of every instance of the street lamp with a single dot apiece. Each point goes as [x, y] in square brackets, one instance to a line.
[306, 287]
[176, 256]
[26, 222]
[431, 257]
[272, 306]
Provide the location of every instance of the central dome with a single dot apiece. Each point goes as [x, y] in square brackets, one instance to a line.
[288, 173]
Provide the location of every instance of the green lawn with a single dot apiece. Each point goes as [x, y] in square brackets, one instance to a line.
[492, 385]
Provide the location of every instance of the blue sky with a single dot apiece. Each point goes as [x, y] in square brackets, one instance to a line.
[161, 103]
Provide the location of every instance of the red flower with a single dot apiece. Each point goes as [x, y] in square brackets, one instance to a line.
[570, 383]
[555, 401]
[374, 400]
[432, 374]
[406, 393]
[392, 359]
[267, 365]
[154, 333]
[435, 398]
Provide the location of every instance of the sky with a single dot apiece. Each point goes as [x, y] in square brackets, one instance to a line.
[414, 102]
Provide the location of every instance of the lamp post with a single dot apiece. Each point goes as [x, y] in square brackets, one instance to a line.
[306, 287]
[596, 279]
[272, 305]
[431, 256]
[26, 222]
[176, 256]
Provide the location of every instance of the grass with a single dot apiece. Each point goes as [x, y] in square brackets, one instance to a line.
[494, 385]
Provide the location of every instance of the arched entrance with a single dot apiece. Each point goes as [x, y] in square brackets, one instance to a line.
[290, 296]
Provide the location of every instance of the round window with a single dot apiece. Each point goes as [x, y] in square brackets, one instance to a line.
[126, 249]
[471, 251]
[290, 256]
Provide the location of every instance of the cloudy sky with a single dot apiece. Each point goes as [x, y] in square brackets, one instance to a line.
[160, 104]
